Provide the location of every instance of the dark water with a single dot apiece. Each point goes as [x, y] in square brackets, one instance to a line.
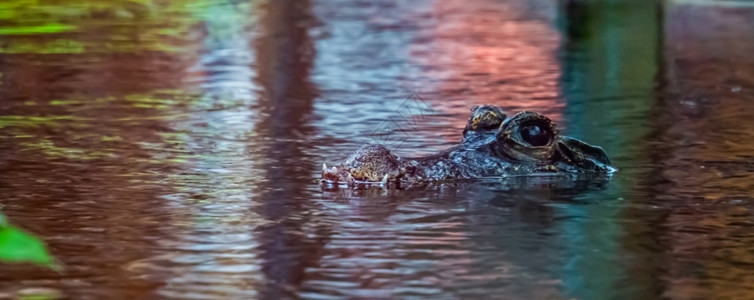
[168, 149]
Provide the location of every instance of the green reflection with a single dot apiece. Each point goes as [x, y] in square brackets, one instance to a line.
[30, 121]
[58, 46]
[54, 151]
[610, 61]
[45, 28]
[98, 26]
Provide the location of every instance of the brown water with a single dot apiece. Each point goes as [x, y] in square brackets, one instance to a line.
[168, 149]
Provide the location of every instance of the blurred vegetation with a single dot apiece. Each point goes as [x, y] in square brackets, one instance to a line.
[19, 246]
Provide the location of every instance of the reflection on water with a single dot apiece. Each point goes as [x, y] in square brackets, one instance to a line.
[167, 149]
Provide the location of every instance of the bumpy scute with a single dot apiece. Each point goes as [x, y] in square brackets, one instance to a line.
[485, 117]
[372, 163]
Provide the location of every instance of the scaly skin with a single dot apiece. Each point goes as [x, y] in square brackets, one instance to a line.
[492, 146]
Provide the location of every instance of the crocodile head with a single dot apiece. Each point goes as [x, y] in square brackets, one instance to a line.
[492, 145]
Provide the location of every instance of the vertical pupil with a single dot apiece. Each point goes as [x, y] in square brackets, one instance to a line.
[535, 135]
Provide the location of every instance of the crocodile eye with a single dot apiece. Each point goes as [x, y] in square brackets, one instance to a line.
[536, 135]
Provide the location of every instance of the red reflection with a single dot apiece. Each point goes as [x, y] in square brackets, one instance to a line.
[488, 52]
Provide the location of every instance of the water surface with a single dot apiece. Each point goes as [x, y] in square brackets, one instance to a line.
[168, 149]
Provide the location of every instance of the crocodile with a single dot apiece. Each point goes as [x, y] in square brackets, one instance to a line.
[493, 145]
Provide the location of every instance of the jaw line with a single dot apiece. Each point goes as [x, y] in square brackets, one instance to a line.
[582, 155]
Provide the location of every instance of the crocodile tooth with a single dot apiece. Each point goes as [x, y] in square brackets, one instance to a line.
[324, 168]
[384, 179]
[335, 170]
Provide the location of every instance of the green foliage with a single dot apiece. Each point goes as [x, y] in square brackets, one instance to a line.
[18, 246]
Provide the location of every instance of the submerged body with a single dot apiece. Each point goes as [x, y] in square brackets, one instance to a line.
[492, 146]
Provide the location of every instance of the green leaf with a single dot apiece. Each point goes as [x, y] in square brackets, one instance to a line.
[17, 246]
